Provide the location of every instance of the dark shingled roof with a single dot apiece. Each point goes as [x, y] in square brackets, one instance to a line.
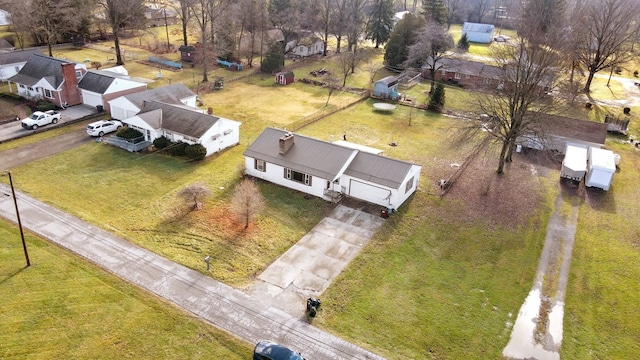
[13, 57]
[98, 83]
[311, 156]
[327, 160]
[170, 94]
[179, 119]
[40, 67]
[556, 125]
[378, 169]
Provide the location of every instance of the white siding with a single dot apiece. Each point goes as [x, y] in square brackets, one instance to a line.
[121, 85]
[275, 174]
[122, 109]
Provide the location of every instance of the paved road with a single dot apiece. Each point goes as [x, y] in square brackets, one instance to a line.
[223, 306]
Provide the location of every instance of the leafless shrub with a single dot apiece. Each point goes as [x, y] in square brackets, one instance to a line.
[247, 201]
[195, 192]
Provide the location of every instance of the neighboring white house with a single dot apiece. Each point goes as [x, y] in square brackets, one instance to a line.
[11, 62]
[479, 33]
[306, 46]
[183, 123]
[127, 106]
[99, 86]
[329, 170]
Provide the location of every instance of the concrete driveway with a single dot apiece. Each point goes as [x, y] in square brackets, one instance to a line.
[308, 267]
[14, 130]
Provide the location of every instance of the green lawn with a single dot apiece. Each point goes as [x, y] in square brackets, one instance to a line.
[62, 307]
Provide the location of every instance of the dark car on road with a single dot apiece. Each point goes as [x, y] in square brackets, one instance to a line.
[267, 350]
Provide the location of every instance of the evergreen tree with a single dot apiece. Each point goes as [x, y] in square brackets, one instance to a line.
[402, 37]
[380, 21]
[435, 10]
[274, 58]
[463, 43]
[436, 102]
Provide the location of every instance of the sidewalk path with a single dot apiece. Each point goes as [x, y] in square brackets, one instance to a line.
[223, 306]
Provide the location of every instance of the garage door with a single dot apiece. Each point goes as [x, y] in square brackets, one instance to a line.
[370, 193]
[91, 98]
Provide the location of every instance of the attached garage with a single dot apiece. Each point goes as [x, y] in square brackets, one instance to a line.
[91, 98]
[371, 193]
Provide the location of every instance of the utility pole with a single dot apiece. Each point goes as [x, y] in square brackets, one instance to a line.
[15, 203]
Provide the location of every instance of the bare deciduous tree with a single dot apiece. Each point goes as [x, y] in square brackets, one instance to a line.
[348, 62]
[432, 42]
[607, 28]
[247, 201]
[332, 85]
[122, 14]
[527, 71]
[195, 193]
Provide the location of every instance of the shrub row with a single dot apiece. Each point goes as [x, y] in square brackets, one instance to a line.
[193, 152]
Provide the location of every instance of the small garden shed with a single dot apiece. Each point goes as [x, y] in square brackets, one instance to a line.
[285, 77]
[387, 88]
[188, 53]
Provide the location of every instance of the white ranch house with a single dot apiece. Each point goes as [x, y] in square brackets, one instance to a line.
[328, 170]
[183, 123]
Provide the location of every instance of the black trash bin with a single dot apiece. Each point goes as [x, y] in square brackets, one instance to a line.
[100, 108]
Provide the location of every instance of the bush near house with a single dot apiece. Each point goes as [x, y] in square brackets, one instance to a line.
[177, 149]
[161, 142]
[128, 133]
[195, 152]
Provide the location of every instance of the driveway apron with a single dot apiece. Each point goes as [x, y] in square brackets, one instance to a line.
[223, 306]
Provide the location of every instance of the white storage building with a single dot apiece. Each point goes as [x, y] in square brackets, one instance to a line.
[601, 168]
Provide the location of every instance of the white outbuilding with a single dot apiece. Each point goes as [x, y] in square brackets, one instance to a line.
[574, 165]
[601, 167]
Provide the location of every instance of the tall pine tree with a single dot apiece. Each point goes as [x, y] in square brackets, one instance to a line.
[380, 21]
[402, 37]
[435, 10]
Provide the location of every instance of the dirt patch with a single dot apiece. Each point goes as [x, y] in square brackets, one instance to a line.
[509, 199]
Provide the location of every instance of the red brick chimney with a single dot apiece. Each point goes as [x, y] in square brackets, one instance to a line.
[70, 91]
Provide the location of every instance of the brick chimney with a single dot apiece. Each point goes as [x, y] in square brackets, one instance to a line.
[70, 91]
[286, 142]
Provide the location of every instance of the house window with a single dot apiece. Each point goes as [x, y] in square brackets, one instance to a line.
[457, 75]
[215, 137]
[17, 68]
[78, 74]
[260, 165]
[297, 176]
[466, 76]
[486, 80]
[409, 185]
[228, 131]
[48, 93]
[21, 86]
[29, 88]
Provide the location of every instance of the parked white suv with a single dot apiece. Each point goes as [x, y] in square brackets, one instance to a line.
[99, 128]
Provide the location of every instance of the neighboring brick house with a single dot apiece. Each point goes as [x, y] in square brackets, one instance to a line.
[474, 74]
[50, 79]
[100, 86]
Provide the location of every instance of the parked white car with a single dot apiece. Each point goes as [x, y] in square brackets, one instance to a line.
[99, 128]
